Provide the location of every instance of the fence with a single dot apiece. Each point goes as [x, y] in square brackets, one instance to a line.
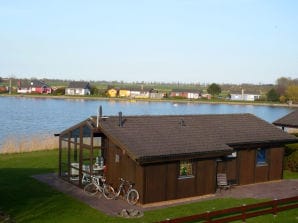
[240, 213]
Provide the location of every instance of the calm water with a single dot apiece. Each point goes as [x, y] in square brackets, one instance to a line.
[21, 117]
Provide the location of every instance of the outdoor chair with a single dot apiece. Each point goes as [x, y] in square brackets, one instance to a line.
[222, 182]
[86, 174]
[74, 172]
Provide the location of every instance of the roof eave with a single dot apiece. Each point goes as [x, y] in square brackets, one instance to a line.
[285, 125]
[176, 157]
[263, 143]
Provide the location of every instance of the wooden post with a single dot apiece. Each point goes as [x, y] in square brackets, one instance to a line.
[243, 212]
[208, 217]
[275, 203]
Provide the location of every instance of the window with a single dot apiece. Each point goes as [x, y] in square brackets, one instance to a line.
[232, 155]
[261, 157]
[186, 169]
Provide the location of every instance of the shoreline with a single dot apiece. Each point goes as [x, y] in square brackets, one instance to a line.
[132, 100]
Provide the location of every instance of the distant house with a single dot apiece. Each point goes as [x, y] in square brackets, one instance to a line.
[155, 94]
[290, 121]
[171, 157]
[140, 92]
[112, 92]
[206, 96]
[33, 86]
[124, 92]
[78, 88]
[3, 89]
[244, 96]
[185, 93]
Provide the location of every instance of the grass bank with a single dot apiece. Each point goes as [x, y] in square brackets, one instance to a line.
[13, 144]
[27, 200]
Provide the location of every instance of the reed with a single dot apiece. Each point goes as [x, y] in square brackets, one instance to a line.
[16, 144]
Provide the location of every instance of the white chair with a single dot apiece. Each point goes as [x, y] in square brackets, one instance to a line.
[222, 182]
[74, 171]
[86, 174]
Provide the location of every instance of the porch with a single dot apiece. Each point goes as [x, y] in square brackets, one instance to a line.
[81, 153]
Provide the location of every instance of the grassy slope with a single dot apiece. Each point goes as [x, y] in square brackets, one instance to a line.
[28, 200]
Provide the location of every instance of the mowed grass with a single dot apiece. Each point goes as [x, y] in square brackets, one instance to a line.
[27, 200]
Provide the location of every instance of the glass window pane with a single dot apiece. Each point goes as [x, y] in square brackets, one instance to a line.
[86, 131]
[75, 135]
[185, 169]
[261, 157]
[64, 150]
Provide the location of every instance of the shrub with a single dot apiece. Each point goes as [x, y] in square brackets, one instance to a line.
[59, 91]
[291, 158]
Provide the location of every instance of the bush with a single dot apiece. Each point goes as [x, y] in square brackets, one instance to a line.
[59, 91]
[291, 158]
[282, 99]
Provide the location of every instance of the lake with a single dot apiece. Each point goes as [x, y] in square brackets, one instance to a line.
[24, 116]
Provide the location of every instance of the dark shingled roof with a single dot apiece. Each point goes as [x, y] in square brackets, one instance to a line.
[151, 138]
[79, 84]
[33, 83]
[290, 120]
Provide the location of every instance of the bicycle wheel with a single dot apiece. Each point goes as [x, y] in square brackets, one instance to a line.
[132, 196]
[108, 192]
[91, 189]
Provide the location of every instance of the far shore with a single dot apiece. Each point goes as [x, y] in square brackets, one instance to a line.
[199, 101]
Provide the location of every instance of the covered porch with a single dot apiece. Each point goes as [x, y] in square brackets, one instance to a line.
[81, 153]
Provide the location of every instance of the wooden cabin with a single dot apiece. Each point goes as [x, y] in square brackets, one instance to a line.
[173, 156]
[289, 121]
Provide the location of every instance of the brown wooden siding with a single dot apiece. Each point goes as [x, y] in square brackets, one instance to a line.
[186, 187]
[160, 182]
[206, 177]
[171, 183]
[163, 183]
[261, 173]
[112, 172]
[119, 165]
[246, 166]
[140, 182]
[276, 163]
[249, 172]
[155, 183]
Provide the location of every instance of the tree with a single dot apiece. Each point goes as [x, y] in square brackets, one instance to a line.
[292, 93]
[272, 95]
[94, 90]
[284, 82]
[59, 91]
[214, 89]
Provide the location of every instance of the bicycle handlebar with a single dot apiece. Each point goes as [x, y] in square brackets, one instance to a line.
[126, 181]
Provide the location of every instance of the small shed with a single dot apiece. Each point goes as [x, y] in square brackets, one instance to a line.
[173, 156]
[289, 121]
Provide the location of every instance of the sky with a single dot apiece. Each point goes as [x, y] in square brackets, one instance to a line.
[187, 41]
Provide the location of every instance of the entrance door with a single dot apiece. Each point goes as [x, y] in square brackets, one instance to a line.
[229, 167]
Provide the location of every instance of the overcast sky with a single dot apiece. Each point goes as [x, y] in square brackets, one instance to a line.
[221, 41]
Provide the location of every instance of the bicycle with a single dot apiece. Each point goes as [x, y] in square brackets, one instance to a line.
[126, 189]
[98, 185]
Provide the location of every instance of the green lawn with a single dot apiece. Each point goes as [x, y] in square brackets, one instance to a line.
[28, 200]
